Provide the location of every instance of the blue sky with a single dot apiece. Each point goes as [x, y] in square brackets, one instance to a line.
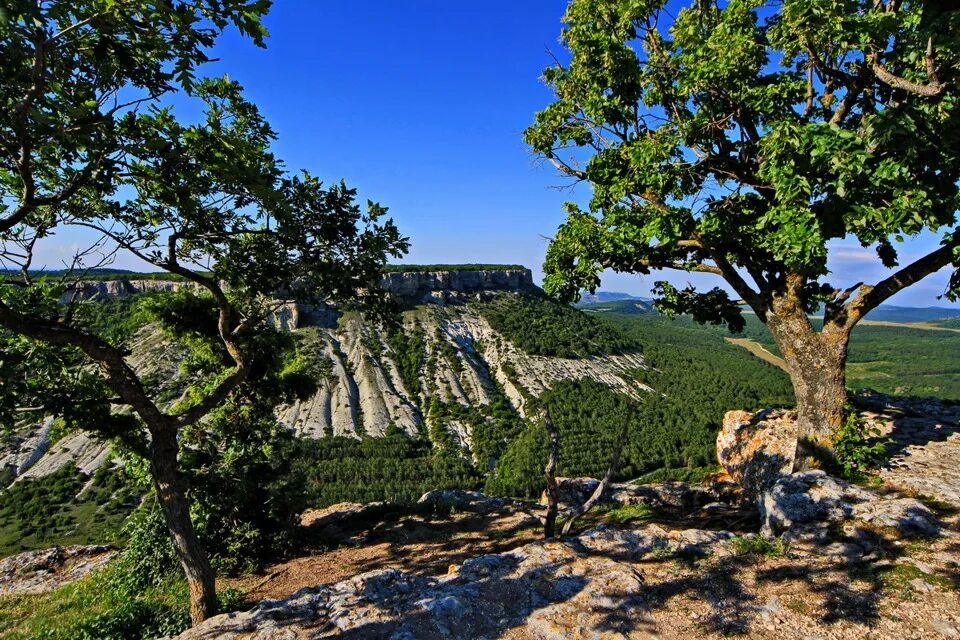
[421, 106]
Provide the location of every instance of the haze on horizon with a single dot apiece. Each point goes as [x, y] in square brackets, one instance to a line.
[423, 111]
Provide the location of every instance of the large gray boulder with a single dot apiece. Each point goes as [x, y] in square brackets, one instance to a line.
[812, 504]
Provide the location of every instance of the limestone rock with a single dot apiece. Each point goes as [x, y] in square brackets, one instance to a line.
[48, 569]
[677, 495]
[584, 588]
[460, 500]
[757, 449]
[810, 503]
[909, 517]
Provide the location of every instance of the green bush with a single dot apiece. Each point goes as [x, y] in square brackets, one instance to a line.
[858, 447]
[103, 606]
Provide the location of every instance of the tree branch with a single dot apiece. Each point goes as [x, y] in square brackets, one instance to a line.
[550, 471]
[933, 88]
[111, 360]
[870, 297]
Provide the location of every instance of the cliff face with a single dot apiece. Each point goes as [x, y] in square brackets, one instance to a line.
[466, 362]
[426, 286]
[363, 389]
[106, 289]
[408, 287]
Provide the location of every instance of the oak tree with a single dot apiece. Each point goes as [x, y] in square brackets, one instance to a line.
[739, 138]
[91, 142]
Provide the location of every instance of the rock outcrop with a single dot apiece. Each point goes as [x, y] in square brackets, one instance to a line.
[925, 434]
[812, 505]
[407, 287]
[49, 569]
[106, 289]
[418, 287]
[757, 449]
[583, 588]
[467, 363]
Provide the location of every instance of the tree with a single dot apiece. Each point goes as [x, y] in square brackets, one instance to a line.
[92, 143]
[738, 139]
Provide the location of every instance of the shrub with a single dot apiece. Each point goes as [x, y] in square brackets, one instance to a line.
[858, 446]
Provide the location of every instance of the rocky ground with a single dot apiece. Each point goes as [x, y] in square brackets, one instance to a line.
[759, 552]
[926, 443]
[649, 581]
[800, 556]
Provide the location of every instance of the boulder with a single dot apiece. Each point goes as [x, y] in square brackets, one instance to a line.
[757, 449]
[811, 504]
[460, 500]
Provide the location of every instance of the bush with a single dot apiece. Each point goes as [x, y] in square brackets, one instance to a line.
[858, 446]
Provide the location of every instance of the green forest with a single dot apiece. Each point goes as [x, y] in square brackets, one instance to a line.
[540, 326]
[697, 377]
[898, 360]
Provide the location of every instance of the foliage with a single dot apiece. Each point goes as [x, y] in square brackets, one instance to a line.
[898, 360]
[636, 513]
[696, 377]
[708, 145]
[409, 351]
[88, 89]
[36, 513]
[543, 327]
[740, 139]
[148, 558]
[245, 501]
[858, 446]
[690, 475]
[98, 607]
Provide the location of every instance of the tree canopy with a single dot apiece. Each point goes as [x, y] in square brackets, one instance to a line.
[738, 138]
[93, 141]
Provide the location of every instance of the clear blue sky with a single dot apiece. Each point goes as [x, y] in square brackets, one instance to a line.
[421, 106]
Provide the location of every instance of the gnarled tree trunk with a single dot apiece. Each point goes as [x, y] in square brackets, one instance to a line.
[176, 511]
[816, 362]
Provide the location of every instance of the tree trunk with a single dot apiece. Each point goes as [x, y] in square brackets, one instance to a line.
[176, 511]
[816, 362]
[550, 471]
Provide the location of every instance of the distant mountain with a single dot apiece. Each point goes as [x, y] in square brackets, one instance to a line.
[884, 313]
[53, 273]
[891, 313]
[628, 306]
[605, 296]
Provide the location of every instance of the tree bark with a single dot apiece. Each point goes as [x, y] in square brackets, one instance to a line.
[816, 362]
[176, 511]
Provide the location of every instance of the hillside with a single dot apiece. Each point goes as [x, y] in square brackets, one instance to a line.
[439, 400]
[893, 358]
[896, 350]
